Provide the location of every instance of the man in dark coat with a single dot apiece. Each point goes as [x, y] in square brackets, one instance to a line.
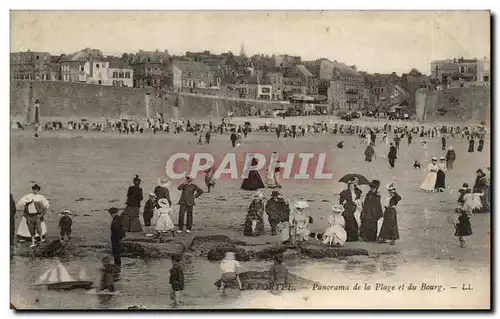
[189, 192]
[443, 143]
[371, 213]
[117, 234]
[276, 208]
[369, 152]
[392, 155]
[480, 144]
[451, 156]
[397, 140]
[482, 185]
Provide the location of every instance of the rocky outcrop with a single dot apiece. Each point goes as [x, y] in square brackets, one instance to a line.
[322, 251]
[203, 244]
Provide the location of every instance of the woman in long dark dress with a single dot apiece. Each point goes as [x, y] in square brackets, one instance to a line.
[480, 144]
[441, 176]
[371, 213]
[471, 145]
[348, 198]
[253, 181]
[131, 222]
[389, 229]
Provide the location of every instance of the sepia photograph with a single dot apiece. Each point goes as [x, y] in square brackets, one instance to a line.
[199, 160]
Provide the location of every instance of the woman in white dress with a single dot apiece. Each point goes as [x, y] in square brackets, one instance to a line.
[335, 234]
[164, 220]
[430, 180]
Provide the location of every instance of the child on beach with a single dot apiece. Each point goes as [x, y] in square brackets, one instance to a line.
[65, 224]
[176, 279]
[464, 190]
[148, 213]
[463, 227]
[229, 268]
[107, 275]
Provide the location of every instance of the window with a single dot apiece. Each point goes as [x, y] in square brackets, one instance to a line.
[99, 82]
[462, 69]
[66, 77]
[486, 78]
[37, 57]
[121, 75]
[127, 75]
[115, 75]
[97, 66]
[44, 77]
[82, 68]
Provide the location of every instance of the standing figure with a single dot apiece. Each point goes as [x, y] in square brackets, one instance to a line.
[482, 186]
[147, 215]
[450, 157]
[389, 229]
[430, 179]
[443, 143]
[480, 145]
[176, 279]
[161, 191]
[164, 222]
[349, 199]
[463, 227]
[371, 213]
[65, 224]
[392, 155]
[233, 138]
[117, 234]
[107, 271]
[209, 179]
[189, 193]
[207, 137]
[441, 175]
[471, 145]
[131, 213]
[253, 181]
[369, 152]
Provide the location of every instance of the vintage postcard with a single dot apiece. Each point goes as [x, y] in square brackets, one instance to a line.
[250, 159]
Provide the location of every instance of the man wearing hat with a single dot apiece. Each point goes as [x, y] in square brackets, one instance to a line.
[277, 210]
[392, 155]
[117, 234]
[35, 206]
[189, 192]
[371, 213]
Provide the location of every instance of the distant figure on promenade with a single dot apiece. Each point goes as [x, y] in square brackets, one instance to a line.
[392, 155]
[189, 192]
[430, 180]
[471, 145]
[233, 138]
[450, 157]
[480, 144]
[369, 152]
[443, 143]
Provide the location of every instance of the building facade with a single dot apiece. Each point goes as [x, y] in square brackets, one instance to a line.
[346, 85]
[31, 66]
[189, 74]
[120, 74]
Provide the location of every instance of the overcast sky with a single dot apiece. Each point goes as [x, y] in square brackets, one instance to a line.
[375, 41]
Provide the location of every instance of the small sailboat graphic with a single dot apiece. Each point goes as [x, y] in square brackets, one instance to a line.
[57, 277]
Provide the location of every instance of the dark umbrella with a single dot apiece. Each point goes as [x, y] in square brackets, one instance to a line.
[361, 179]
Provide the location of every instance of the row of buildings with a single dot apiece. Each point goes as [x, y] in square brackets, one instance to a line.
[276, 77]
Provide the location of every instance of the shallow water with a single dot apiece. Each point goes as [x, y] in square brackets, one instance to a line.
[145, 282]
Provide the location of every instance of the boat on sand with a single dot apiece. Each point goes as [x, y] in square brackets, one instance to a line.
[58, 278]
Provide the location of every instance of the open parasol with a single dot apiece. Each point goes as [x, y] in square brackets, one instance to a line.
[361, 179]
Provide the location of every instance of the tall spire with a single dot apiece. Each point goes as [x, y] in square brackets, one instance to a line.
[242, 50]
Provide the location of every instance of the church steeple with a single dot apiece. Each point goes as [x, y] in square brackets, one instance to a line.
[242, 50]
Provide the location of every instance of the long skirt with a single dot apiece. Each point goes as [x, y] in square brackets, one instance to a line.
[440, 180]
[252, 182]
[368, 230]
[164, 223]
[389, 230]
[351, 225]
[131, 221]
[23, 231]
[429, 182]
[253, 227]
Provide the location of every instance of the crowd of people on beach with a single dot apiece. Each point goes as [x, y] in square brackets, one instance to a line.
[371, 217]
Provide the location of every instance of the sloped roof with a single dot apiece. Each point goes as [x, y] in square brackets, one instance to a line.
[192, 66]
[301, 68]
[84, 55]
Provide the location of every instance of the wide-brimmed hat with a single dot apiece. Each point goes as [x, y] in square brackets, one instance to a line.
[163, 181]
[375, 183]
[163, 202]
[112, 210]
[275, 194]
[434, 159]
[301, 205]
[258, 194]
[152, 195]
[442, 158]
[338, 209]
[391, 186]
[65, 212]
